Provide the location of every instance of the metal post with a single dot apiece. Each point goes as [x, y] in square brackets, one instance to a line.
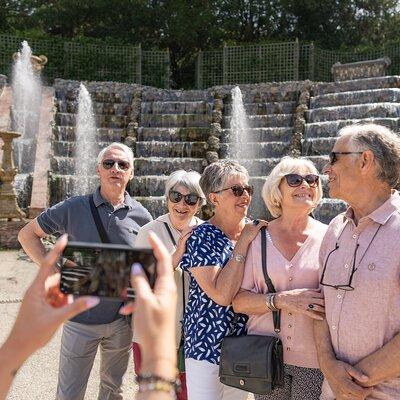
[224, 80]
[167, 76]
[296, 60]
[139, 65]
[311, 62]
[199, 70]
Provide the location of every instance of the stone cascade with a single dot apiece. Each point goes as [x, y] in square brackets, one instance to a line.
[270, 110]
[337, 104]
[112, 104]
[171, 134]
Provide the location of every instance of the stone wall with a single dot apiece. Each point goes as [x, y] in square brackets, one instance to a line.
[361, 69]
[9, 234]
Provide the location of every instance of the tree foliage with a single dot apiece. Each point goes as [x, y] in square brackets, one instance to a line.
[185, 27]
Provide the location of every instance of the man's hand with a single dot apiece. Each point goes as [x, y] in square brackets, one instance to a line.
[341, 376]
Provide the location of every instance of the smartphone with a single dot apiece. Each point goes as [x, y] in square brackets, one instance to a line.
[99, 269]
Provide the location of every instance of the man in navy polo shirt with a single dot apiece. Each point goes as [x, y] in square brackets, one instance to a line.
[121, 217]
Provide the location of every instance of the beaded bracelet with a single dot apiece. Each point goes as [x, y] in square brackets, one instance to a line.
[149, 382]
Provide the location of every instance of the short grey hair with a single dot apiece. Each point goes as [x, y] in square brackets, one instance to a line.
[383, 143]
[271, 193]
[216, 175]
[189, 180]
[116, 145]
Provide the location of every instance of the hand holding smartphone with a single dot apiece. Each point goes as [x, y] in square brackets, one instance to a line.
[103, 270]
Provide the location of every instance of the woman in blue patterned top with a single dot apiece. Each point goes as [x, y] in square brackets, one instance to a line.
[214, 259]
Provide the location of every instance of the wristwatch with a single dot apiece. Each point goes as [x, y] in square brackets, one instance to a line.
[237, 257]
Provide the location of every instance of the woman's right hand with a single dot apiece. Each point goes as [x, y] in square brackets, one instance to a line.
[309, 302]
[251, 229]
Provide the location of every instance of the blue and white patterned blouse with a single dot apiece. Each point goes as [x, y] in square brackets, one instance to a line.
[205, 322]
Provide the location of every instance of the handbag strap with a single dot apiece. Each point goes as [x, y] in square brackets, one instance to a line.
[99, 225]
[276, 315]
[171, 236]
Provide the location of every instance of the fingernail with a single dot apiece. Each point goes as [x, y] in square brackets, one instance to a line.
[92, 302]
[136, 269]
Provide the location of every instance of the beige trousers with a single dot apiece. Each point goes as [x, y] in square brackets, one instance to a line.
[79, 345]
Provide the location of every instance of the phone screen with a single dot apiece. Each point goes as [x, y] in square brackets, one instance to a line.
[103, 269]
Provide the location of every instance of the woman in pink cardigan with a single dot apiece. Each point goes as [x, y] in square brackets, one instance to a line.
[291, 192]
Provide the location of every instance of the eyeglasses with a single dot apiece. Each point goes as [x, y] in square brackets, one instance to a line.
[346, 286]
[238, 190]
[190, 199]
[333, 155]
[295, 180]
[122, 165]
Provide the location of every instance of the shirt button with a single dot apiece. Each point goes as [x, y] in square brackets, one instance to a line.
[333, 327]
[339, 296]
[371, 266]
[289, 337]
[346, 265]
[290, 265]
[290, 278]
[289, 326]
[288, 348]
[290, 314]
[354, 236]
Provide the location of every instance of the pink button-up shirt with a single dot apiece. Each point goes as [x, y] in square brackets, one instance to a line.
[299, 272]
[363, 320]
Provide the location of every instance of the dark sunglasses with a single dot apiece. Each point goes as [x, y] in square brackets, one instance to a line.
[190, 199]
[123, 165]
[295, 180]
[333, 155]
[238, 190]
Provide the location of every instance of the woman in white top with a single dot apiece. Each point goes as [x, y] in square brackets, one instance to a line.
[184, 199]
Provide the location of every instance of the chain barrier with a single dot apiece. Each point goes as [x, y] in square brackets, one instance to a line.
[10, 301]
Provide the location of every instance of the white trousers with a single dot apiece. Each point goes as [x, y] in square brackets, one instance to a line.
[202, 382]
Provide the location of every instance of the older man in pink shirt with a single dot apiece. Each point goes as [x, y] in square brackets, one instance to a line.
[359, 342]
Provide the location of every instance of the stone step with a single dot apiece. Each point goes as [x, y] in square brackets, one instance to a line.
[62, 186]
[156, 205]
[103, 121]
[190, 134]
[71, 107]
[260, 166]
[265, 121]
[170, 149]
[176, 107]
[67, 149]
[284, 107]
[108, 95]
[331, 128]
[329, 209]
[318, 146]
[67, 133]
[319, 161]
[356, 85]
[358, 111]
[250, 151]
[142, 166]
[162, 95]
[356, 97]
[164, 166]
[175, 120]
[262, 134]
[276, 94]
[148, 185]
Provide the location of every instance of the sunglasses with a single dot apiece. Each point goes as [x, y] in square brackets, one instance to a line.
[122, 165]
[333, 155]
[190, 199]
[295, 180]
[238, 190]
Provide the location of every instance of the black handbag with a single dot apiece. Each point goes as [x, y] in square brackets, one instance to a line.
[254, 363]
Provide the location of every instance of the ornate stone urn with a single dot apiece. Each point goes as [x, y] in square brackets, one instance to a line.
[8, 198]
[38, 62]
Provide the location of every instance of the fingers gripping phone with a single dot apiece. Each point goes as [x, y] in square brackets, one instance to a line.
[99, 269]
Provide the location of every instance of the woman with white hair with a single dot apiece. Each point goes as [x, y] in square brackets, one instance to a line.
[291, 192]
[184, 199]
